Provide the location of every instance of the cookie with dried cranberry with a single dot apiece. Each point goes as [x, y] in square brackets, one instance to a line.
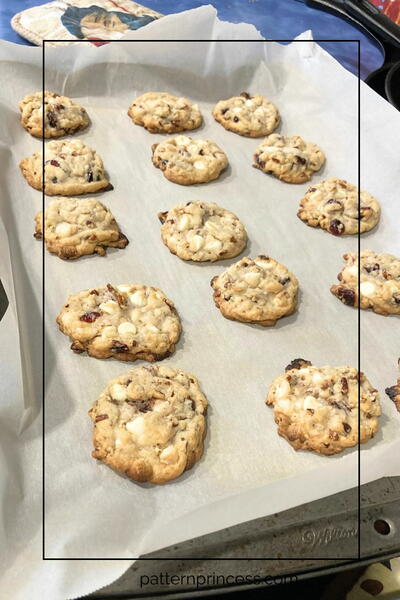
[202, 231]
[333, 205]
[251, 116]
[187, 161]
[62, 116]
[160, 112]
[70, 168]
[75, 227]
[394, 394]
[128, 322]
[316, 408]
[259, 290]
[150, 423]
[379, 282]
[290, 159]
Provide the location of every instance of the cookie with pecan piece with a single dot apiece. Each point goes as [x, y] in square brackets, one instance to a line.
[379, 284]
[150, 423]
[316, 408]
[70, 168]
[62, 116]
[128, 322]
[75, 227]
[160, 112]
[251, 116]
[333, 205]
[259, 290]
[187, 161]
[202, 231]
[290, 159]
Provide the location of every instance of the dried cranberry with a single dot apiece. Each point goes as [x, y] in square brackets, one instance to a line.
[245, 95]
[396, 298]
[224, 110]
[347, 427]
[284, 281]
[59, 106]
[348, 296]
[54, 180]
[298, 363]
[301, 160]
[345, 385]
[236, 119]
[118, 347]
[54, 163]
[336, 227]
[89, 176]
[369, 268]
[373, 587]
[52, 119]
[89, 317]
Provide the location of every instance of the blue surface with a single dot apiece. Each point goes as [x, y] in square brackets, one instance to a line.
[275, 19]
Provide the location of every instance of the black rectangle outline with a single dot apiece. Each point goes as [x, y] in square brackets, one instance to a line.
[343, 561]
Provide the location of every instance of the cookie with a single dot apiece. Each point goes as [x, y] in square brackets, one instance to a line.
[150, 423]
[75, 227]
[71, 168]
[187, 161]
[62, 116]
[394, 394]
[128, 322]
[316, 408]
[259, 290]
[290, 159]
[202, 231]
[333, 205]
[251, 116]
[379, 283]
[160, 112]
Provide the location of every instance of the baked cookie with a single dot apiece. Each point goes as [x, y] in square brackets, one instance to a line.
[150, 423]
[252, 116]
[71, 168]
[316, 408]
[202, 231]
[160, 112]
[129, 321]
[187, 161]
[290, 159]
[259, 290]
[333, 205]
[394, 394]
[75, 227]
[62, 116]
[379, 285]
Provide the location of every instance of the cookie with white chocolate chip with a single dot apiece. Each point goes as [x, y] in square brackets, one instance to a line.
[128, 322]
[379, 282]
[76, 227]
[202, 231]
[259, 290]
[333, 205]
[290, 159]
[70, 168]
[251, 116]
[62, 116]
[150, 423]
[316, 408]
[187, 161]
[160, 112]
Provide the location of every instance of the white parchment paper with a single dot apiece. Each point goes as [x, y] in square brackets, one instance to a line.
[247, 470]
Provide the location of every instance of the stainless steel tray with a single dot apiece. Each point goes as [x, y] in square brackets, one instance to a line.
[314, 538]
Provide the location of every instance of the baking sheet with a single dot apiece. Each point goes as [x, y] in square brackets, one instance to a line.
[247, 470]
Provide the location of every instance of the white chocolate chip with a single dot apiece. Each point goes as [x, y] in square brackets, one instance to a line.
[118, 392]
[138, 298]
[109, 307]
[199, 164]
[126, 327]
[182, 140]
[249, 103]
[283, 389]
[169, 455]
[353, 271]
[124, 287]
[196, 243]
[253, 279]
[367, 288]
[64, 229]
[184, 223]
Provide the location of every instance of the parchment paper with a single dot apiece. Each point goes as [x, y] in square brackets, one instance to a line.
[247, 470]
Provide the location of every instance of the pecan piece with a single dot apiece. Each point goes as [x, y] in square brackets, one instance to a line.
[116, 346]
[100, 418]
[116, 294]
